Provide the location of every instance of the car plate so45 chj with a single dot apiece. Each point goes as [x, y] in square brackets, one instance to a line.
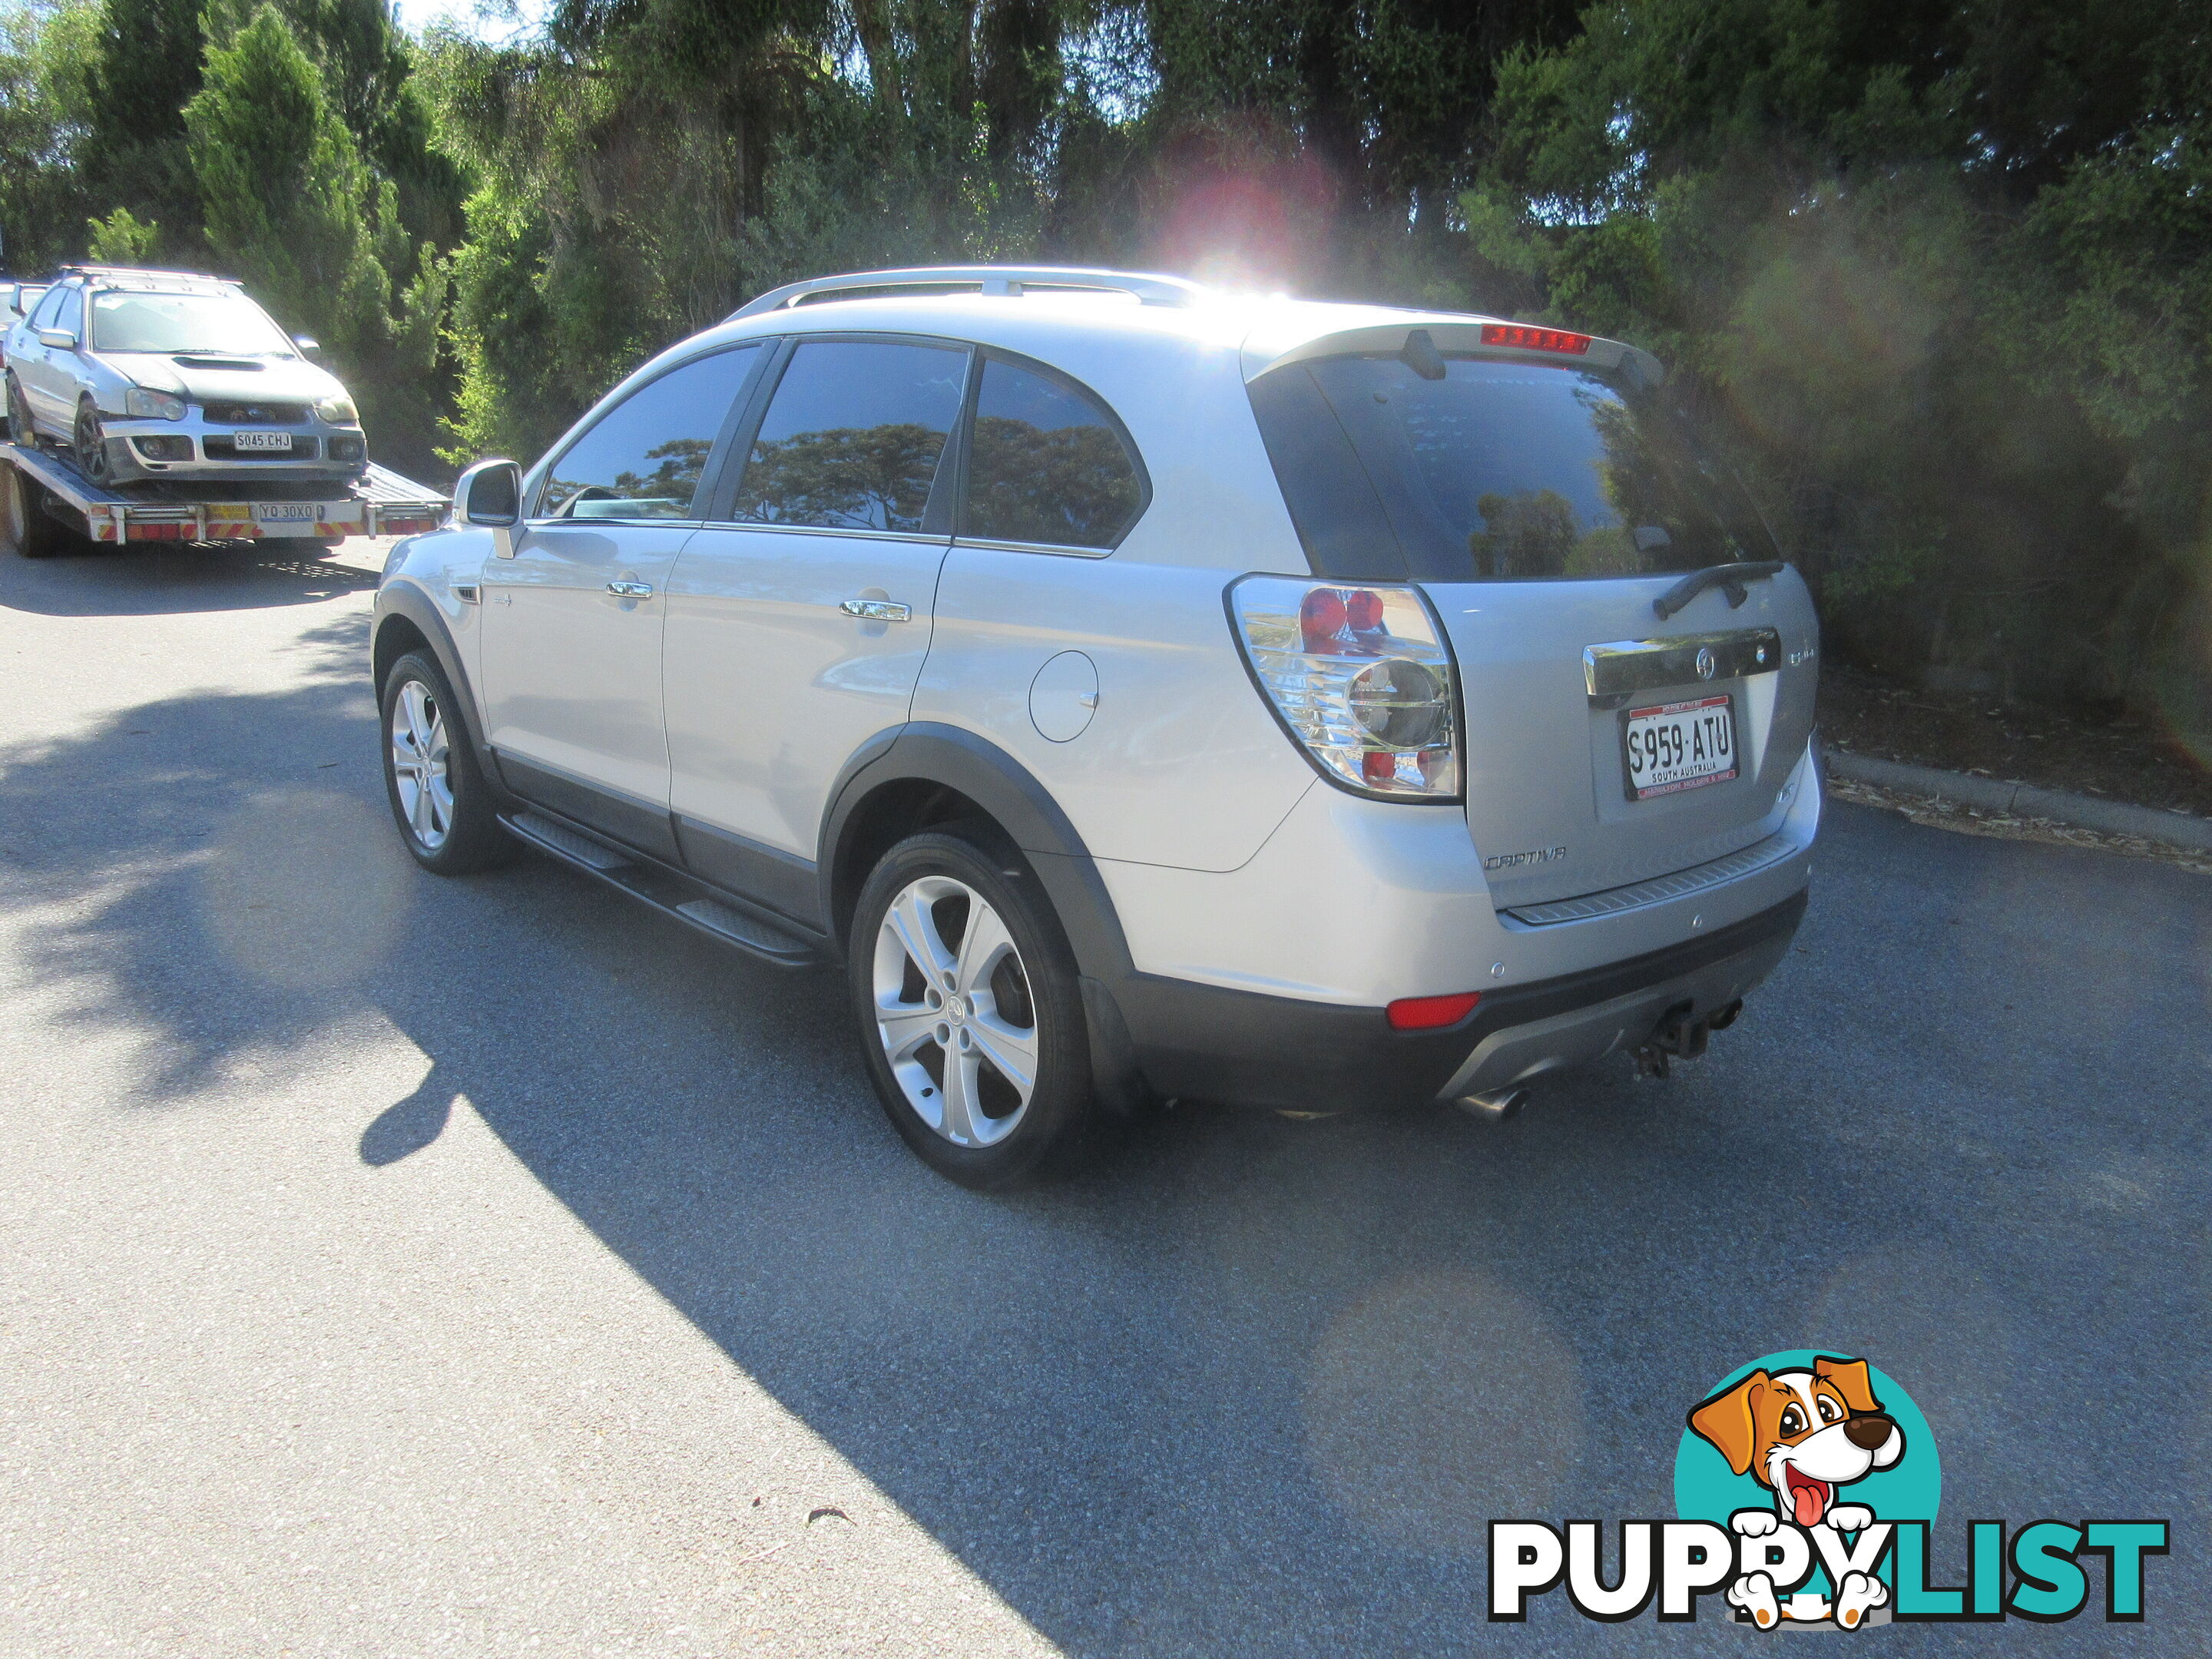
[1671, 747]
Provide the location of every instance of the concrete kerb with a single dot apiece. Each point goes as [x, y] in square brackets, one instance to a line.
[2024, 800]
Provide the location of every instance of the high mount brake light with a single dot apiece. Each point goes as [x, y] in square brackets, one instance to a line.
[1536, 339]
[1360, 677]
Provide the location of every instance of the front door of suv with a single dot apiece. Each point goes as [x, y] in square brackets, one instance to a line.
[798, 620]
[572, 623]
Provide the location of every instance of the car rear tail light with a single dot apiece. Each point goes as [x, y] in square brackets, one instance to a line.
[1359, 676]
[1524, 338]
[1431, 1013]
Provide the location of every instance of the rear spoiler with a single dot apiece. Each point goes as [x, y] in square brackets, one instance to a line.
[1482, 335]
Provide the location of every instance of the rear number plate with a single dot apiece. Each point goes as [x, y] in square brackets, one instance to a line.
[287, 513]
[242, 441]
[1674, 746]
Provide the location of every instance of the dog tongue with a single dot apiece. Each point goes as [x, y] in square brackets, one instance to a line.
[1807, 1500]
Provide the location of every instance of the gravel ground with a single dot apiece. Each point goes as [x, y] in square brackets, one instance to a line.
[392, 1266]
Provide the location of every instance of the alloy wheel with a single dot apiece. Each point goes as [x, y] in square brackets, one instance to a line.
[89, 446]
[419, 765]
[955, 1012]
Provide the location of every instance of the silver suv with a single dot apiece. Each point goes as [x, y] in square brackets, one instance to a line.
[162, 374]
[1143, 692]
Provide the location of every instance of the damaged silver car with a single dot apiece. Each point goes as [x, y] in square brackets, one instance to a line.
[146, 374]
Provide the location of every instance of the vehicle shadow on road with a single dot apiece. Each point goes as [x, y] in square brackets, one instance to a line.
[1253, 1386]
[159, 579]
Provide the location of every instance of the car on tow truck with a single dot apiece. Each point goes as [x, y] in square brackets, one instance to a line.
[157, 374]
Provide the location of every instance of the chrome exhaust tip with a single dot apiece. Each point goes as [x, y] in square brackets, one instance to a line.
[1494, 1107]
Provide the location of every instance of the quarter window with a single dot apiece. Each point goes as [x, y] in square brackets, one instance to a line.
[852, 438]
[1046, 464]
[645, 457]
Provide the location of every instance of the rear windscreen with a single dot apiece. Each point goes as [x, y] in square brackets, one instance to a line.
[1499, 471]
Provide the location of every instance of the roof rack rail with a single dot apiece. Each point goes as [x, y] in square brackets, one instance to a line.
[86, 268]
[1009, 279]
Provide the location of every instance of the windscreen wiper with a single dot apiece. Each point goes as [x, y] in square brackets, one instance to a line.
[1728, 578]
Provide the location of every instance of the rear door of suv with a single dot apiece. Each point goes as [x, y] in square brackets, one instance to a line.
[1545, 502]
[799, 618]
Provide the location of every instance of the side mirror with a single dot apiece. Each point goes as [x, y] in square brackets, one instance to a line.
[488, 496]
[60, 339]
[308, 346]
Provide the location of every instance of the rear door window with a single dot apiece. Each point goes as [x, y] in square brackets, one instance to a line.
[647, 456]
[853, 436]
[1499, 471]
[1047, 464]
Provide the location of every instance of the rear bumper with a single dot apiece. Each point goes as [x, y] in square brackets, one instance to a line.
[1242, 1048]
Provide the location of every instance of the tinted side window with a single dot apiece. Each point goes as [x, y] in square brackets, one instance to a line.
[645, 456]
[44, 316]
[852, 438]
[1046, 464]
[71, 315]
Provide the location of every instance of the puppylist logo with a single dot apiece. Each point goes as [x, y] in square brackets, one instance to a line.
[1806, 1485]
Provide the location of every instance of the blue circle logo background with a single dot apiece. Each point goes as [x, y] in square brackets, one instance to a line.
[1706, 1489]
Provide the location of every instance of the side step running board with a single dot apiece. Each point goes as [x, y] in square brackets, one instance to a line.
[664, 890]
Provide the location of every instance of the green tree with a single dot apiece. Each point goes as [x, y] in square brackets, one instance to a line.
[122, 239]
[1883, 246]
[144, 69]
[297, 212]
[46, 60]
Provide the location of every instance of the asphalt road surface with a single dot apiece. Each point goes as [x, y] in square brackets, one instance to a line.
[398, 1266]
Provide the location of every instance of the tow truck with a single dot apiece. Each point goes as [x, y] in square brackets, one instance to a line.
[47, 507]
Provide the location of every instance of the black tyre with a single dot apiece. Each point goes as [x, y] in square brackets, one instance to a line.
[21, 428]
[970, 1014]
[26, 525]
[89, 444]
[438, 797]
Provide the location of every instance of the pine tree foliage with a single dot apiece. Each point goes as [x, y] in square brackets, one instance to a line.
[300, 215]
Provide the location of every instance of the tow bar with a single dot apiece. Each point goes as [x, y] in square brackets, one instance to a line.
[1679, 1036]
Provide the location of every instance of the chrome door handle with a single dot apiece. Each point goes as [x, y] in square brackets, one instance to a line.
[877, 611]
[630, 590]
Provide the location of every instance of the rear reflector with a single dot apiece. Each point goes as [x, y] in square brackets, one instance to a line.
[1536, 339]
[1427, 1014]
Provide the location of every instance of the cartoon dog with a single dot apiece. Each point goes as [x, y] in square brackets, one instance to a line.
[1803, 1434]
